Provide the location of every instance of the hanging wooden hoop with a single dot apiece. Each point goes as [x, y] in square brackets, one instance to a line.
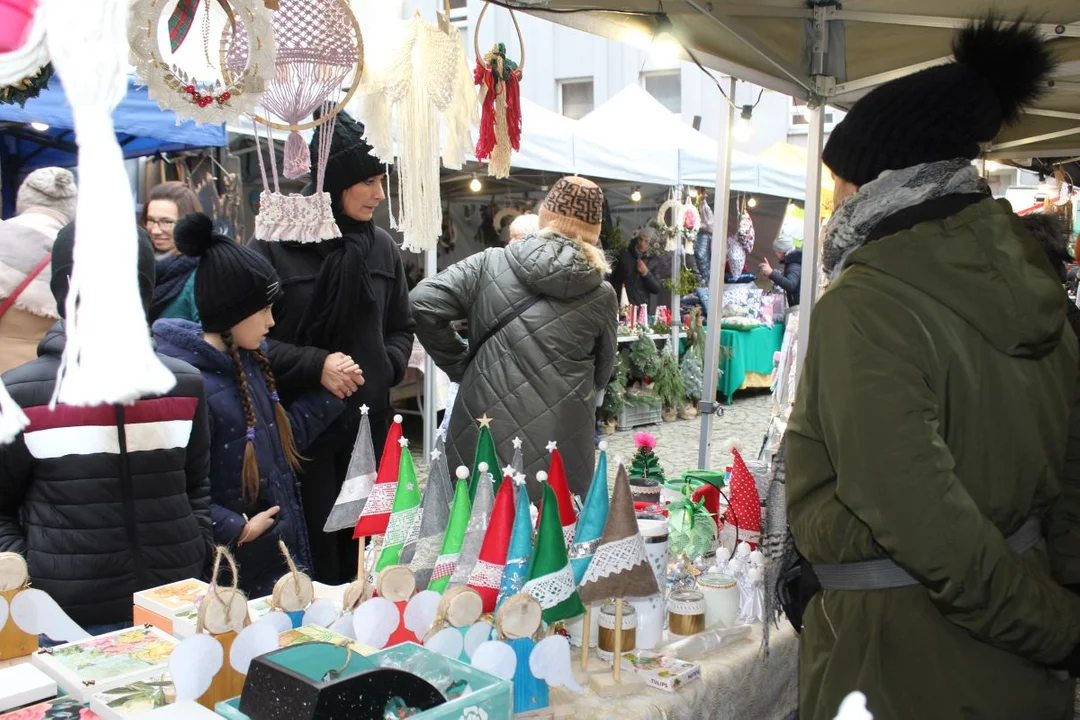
[353, 87]
[223, 610]
[295, 591]
[476, 37]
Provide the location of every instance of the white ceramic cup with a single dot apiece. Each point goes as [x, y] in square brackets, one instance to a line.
[655, 534]
[650, 621]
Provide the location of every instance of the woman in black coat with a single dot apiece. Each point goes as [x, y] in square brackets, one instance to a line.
[344, 298]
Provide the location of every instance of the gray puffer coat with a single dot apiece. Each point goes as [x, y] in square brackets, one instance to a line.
[537, 377]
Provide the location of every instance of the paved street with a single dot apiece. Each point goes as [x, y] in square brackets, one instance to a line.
[745, 422]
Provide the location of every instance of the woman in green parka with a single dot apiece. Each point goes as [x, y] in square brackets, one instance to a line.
[933, 455]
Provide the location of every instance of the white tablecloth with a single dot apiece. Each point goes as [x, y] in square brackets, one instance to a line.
[736, 683]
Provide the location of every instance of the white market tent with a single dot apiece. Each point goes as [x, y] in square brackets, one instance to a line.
[826, 53]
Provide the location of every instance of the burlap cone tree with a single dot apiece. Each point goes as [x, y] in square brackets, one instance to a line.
[620, 568]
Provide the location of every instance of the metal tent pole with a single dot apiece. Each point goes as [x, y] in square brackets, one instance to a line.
[708, 405]
[676, 273]
[431, 391]
[811, 262]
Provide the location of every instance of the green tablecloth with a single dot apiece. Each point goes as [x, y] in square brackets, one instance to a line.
[751, 351]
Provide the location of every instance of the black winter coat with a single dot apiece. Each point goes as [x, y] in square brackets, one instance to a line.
[639, 287]
[110, 500]
[380, 342]
[261, 562]
[788, 277]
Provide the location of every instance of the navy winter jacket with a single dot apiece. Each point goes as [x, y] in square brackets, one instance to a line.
[260, 561]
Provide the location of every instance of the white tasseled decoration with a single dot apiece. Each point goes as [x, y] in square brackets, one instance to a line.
[12, 418]
[499, 164]
[109, 357]
[427, 78]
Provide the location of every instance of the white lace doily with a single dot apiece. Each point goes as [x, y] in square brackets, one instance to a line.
[568, 533]
[427, 552]
[400, 525]
[296, 218]
[550, 590]
[216, 101]
[486, 575]
[616, 557]
[25, 61]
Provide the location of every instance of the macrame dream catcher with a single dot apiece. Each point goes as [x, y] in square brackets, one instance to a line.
[187, 81]
[499, 79]
[426, 76]
[319, 46]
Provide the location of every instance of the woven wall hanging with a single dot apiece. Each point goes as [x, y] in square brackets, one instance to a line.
[499, 79]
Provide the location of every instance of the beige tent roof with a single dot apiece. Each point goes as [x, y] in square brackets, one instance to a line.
[869, 42]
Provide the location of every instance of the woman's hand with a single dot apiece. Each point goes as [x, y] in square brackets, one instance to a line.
[258, 525]
[341, 375]
[765, 269]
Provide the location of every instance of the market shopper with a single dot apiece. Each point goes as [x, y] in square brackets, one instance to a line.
[174, 294]
[634, 272]
[523, 226]
[788, 276]
[541, 339]
[255, 442]
[344, 299]
[1052, 234]
[109, 500]
[938, 402]
[44, 203]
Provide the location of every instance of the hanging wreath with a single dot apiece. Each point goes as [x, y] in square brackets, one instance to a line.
[27, 88]
[25, 71]
[499, 79]
[218, 100]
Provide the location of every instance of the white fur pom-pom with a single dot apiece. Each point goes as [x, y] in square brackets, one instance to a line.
[482, 467]
[12, 418]
[603, 446]
[462, 472]
[541, 476]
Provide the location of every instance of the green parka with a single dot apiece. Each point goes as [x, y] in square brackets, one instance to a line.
[937, 412]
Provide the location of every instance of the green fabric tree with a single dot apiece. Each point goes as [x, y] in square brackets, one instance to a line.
[646, 465]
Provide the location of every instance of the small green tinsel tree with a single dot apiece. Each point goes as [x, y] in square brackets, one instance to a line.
[692, 371]
[644, 358]
[669, 381]
[646, 464]
[614, 398]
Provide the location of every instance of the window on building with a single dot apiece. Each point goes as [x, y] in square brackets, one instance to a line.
[800, 119]
[665, 87]
[575, 98]
[459, 10]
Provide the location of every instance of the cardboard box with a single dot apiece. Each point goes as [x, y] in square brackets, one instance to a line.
[661, 672]
[133, 699]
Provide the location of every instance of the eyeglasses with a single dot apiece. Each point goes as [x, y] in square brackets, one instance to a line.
[162, 224]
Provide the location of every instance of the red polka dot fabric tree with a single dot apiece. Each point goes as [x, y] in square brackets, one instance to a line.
[744, 510]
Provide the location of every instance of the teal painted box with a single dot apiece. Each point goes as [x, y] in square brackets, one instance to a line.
[492, 698]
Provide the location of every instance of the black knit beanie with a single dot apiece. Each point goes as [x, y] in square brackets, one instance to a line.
[943, 112]
[350, 160]
[233, 282]
[63, 261]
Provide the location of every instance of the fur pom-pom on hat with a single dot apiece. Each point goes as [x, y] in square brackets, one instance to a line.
[944, 112]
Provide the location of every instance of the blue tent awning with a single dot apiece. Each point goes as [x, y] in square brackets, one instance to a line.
[141, 127]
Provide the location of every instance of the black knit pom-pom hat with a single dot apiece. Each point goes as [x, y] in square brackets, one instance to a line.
[943, 112]
[232, 282]
[350, 160]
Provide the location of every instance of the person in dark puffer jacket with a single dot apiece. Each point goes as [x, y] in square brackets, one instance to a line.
[105, 501]
[255, 441]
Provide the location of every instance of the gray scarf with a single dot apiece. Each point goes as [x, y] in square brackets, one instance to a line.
[895, 190]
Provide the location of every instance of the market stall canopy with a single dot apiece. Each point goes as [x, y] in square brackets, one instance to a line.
[141, 128]
[793, 157]
[832, 54]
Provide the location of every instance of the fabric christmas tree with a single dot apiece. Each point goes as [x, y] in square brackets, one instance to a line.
[455, 534]
[376, 513]
[485, 453]
[646, 465]
[590, 525]
[359, 479]
[743, 519]
[550, 578]
[405, 517]
[556, 478]
[520, 552]
[434, 517]
[478, 525]
[518, 465]
[620, 568]
[487, 574]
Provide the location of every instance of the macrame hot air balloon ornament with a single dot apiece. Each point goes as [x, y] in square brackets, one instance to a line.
[499, 79]
[224, 98]
[319, 46]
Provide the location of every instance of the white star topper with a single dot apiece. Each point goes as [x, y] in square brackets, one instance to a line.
[404, 442]
[436, 454]
[508, 471]
[364, 409]
[552, 446]
[517, 443]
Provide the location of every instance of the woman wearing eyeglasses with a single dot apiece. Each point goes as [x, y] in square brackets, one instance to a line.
[174, 294]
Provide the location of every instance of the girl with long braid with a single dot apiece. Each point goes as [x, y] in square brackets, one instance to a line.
[256, 442]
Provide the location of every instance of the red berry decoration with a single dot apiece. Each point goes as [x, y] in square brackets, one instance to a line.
[190, 89]
[225, 96]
